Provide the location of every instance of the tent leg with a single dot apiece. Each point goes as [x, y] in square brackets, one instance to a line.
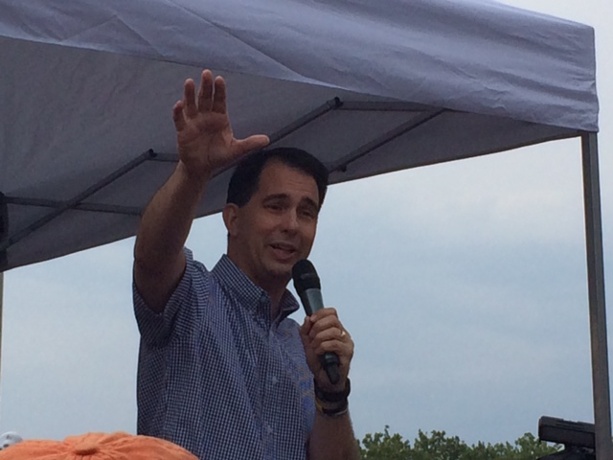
[596, 292]
[1, 315]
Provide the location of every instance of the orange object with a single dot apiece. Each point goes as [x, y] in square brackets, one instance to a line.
[97, 446]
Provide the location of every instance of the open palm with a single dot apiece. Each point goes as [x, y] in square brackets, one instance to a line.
[204, 135]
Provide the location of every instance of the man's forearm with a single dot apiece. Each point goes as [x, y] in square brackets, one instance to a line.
[164, 227]
[332, 438]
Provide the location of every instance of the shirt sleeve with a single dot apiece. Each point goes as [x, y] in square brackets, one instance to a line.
[182, 311]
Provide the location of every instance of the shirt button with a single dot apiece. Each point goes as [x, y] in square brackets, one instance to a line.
[274, 380]
[269, 429]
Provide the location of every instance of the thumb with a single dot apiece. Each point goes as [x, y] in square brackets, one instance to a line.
[306, 327]
[256, 142]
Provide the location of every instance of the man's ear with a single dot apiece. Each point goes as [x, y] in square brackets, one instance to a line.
[230, 218]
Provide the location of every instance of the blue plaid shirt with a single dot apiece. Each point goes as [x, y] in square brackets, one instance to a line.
[217, 375]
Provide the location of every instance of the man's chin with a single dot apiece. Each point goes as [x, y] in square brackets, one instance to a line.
[282, 270]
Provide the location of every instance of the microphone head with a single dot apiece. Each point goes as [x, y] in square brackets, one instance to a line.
[305, 276]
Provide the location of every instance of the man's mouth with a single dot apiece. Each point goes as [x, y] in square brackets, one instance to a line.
[284, 249]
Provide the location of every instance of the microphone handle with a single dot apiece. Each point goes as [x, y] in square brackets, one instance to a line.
[312, 301]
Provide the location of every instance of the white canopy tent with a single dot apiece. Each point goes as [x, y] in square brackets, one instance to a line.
[369, 88]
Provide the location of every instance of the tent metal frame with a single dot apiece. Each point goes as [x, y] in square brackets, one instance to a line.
[596, 294]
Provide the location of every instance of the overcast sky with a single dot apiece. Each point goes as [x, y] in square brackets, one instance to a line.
[468, 305]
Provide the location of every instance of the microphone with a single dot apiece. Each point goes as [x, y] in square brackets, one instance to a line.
[308, 287]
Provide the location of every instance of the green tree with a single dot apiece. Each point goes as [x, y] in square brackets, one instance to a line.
[383, 446]
[528, 447]
[439, 446]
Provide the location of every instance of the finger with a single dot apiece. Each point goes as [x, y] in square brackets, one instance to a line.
[256, 142]
[306, 327]
[333, 333]
[177, 116]
[205, 94]
[219, 96]
[342, 347]
[189, 90]
[323, 324]
[324, 312]
[343, 350]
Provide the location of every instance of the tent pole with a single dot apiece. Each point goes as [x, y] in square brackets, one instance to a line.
[596, 292]
[1, 315]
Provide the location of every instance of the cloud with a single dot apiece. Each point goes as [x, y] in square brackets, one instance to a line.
[70, 342]
[464, 287]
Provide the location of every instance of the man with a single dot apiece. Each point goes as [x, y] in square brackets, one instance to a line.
[222, 371]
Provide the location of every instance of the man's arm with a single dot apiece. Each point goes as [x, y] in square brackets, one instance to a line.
[332, 437]
[205, 143]
[159, 261]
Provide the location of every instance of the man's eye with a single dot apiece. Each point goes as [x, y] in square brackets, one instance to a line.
[308, 213]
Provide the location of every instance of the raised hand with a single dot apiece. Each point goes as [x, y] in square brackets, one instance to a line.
[204, 135]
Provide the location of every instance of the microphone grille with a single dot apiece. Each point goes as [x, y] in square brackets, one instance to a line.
[305, 276]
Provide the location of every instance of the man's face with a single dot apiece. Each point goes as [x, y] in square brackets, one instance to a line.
[276, 228]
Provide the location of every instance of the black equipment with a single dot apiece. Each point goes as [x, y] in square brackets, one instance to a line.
[308, 288]
[578, 438]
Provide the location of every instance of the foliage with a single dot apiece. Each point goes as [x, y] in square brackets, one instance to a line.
[383, 446]
[438, 446]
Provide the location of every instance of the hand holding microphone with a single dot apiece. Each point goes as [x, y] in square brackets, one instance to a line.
[327, 333]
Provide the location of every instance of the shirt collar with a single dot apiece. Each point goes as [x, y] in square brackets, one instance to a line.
[250, 296]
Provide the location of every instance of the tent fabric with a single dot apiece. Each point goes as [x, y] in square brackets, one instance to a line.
[87, 88]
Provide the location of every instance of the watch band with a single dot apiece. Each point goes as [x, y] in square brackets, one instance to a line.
[332, 396]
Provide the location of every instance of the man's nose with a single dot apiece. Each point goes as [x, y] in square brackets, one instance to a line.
[290, 220]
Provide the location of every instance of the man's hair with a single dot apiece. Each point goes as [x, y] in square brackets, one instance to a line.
[245, 179]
